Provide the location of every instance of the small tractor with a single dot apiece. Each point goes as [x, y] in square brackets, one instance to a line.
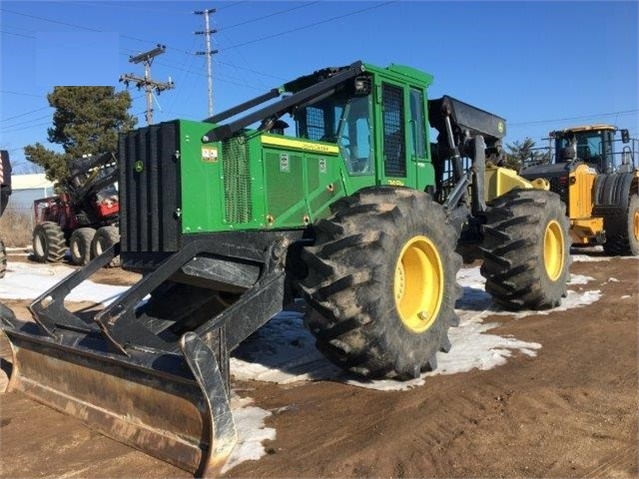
[83, 217]
[230, 219]
[600, 186]
[5, 192]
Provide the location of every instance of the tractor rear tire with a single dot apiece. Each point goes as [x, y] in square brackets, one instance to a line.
[3, 259]
[622, 231]
[526, 250]
[381, 283]
[80, 245]
[49, 244]
[104, 238]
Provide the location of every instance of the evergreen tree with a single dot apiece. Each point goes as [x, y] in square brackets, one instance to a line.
[524, 153]
[87, 120]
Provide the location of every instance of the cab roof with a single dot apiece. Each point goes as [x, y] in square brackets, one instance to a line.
[577, 129]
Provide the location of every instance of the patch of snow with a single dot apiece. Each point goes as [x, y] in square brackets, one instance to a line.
[613, 280]
[626, 296]
[580, 279]
[28, 281]
[584, 258]
[283, 351]
[251, 431]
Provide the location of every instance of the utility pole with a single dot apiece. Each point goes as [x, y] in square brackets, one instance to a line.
[147, 83]
[209, 53]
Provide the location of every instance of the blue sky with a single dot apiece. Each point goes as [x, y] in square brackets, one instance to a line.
[541, 65]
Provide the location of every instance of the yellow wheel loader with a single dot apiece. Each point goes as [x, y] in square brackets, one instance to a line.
[594, 171]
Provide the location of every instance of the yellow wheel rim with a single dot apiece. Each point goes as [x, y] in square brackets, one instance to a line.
[419, 284]
[554, 250]
[635, 225]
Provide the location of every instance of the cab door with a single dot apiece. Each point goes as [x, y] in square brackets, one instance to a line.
[393, 134]
[418, 140]
[403, 136]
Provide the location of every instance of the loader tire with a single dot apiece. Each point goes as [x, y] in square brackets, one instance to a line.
[3, 259]
[526, 250]
[80, 245]
[104, 238]
[49, 244]
[381, 283]
[622, 231]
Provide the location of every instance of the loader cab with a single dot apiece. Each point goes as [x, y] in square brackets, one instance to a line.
[379, 122]
[592, 145]
[345, 119]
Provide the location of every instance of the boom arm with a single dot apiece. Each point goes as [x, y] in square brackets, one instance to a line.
[470, 132]
[319, 87]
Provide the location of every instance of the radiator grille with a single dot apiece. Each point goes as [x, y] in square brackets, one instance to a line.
[237, 181]
[560, 188]
[149, 189]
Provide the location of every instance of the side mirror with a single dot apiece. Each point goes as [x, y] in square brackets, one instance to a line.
[625, 136]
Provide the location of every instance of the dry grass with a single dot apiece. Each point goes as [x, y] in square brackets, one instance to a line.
[16, 228]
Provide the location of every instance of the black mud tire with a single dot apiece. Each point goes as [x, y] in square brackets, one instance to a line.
[80, 246]
[522, 226]
[3, 259]
[104, 238]
[350, 287]
[49, 244]
[622, 231]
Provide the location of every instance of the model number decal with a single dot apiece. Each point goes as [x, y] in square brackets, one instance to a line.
[396, 182]
[285, 166]
[209, 154]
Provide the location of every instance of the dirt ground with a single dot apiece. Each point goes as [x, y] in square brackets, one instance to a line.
[571, 411]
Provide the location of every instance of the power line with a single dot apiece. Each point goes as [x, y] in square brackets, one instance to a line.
[321, 22]
[585, 117]
[24, 114]
[218, 76]
[182, 78]
[20, 93]
[28, 121]
[269, 15]
[115, 5]
[229, 5]
[251, 70]
[74, 25]
[49, 20]
[17, 34]
[26, 127]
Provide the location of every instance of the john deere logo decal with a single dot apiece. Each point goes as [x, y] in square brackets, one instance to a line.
[139, 166]
[500, 127]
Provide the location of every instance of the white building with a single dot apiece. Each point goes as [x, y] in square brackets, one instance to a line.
[26, 189]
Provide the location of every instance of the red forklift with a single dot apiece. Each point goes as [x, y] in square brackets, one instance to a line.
[83, 217]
